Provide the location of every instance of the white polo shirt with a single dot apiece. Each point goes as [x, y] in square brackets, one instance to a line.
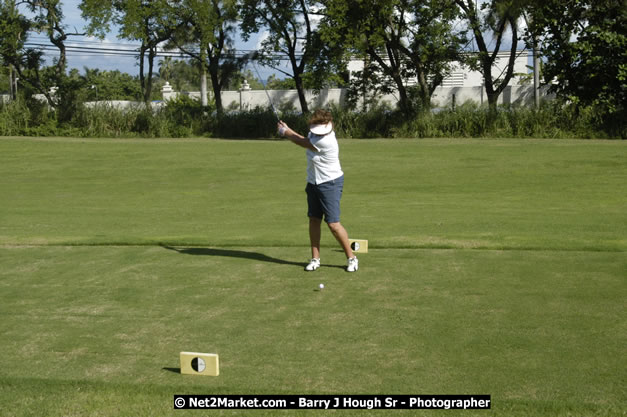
[323, 165]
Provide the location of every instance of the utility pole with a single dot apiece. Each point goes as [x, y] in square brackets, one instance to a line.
[203, 76]
[203, 86]
[12, 70]
[536, 73]
[12, 82]
[536, 63]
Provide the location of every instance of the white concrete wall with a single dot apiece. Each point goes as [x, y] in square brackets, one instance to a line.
[465, 77]
[512, 95]
[442, 97]
[123, 104]
[248, 100]
[463, 84]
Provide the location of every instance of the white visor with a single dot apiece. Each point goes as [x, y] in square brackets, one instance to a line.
[321, 130]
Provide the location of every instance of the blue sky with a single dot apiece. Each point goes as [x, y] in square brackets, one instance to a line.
[74, 21]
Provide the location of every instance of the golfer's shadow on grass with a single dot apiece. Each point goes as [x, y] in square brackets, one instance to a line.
[232, 253]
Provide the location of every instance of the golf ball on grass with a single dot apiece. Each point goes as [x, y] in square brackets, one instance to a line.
[321, 286]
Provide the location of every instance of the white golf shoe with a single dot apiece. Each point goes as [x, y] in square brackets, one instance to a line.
[313, 265]
[353, 264]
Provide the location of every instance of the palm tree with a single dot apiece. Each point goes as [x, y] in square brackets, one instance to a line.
[165, 68]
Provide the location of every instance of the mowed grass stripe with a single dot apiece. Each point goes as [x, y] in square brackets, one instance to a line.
[525, 327]
[442, 246]
[210, 247]
[514, 194]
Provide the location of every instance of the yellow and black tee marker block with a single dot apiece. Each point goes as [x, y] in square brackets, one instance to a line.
[359, 245]
[195, 363]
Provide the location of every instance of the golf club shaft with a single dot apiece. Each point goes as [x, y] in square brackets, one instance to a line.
[266, 91]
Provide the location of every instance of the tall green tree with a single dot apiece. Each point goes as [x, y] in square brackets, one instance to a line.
[494, 19]
[410, 42]
[138, 20]
[165, 68]
[205, 32]
[4, 79]
[185, 75]
[290, 35]
[584, 43]
[13, 32]
[45, 17]
[111, 85]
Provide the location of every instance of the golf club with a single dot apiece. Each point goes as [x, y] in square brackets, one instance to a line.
[267, 95]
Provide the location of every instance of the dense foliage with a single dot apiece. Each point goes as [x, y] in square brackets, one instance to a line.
[185, 117]
[408, 48]
[585, 46]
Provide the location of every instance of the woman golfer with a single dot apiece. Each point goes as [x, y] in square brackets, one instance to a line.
[325, 181]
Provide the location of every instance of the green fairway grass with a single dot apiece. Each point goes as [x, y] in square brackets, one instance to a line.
[495, 267]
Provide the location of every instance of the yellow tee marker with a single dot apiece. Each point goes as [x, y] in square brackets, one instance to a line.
[194, 363]
[359, 245]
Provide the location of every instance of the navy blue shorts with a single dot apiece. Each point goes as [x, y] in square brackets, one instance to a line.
[324, 199]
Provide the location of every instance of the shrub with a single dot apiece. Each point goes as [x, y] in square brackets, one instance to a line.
[104, 121]
[256, 123]
[378, 122]
[185, 117]
[14, 118]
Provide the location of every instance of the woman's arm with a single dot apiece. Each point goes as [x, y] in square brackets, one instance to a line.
[287, 132]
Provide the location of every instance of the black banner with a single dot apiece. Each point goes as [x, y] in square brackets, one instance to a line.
[332, 402]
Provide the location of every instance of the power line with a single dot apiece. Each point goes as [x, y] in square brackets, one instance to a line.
[107, 51]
